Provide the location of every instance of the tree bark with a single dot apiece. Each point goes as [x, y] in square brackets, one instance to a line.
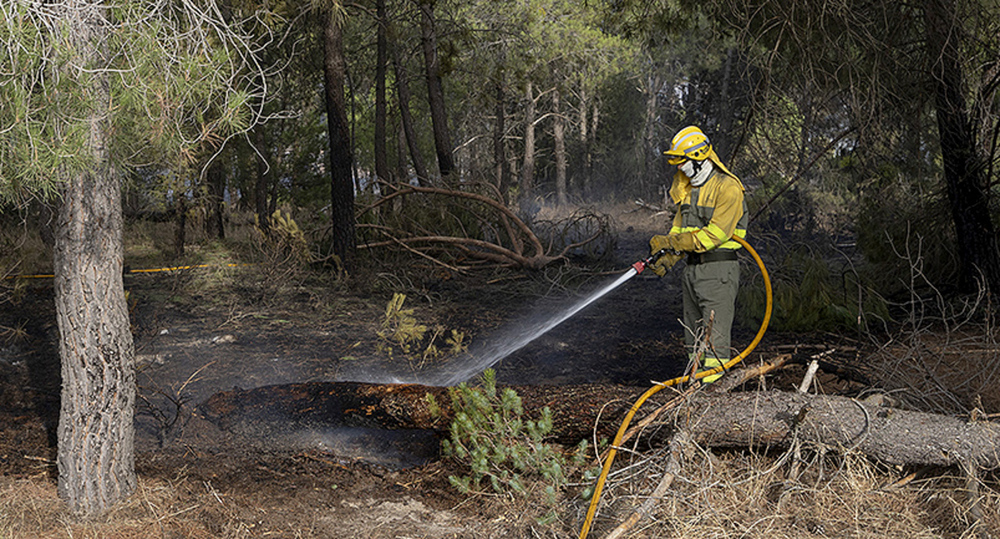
[216, 176]
[967, 187]
[96, 458]
[650, 160]
[381, 157]
[180, 219]
[341, 181]
[435, 91]
[773, 419]
[261, 183]
[403, 97]
[585, 146]
[527, 183]
[559, 136]
[499, 132]
[769, 419]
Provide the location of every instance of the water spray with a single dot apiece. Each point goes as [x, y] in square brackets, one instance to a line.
[500, 348]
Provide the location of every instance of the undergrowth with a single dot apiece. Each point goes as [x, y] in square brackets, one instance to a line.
[402, 332]
[490, 435]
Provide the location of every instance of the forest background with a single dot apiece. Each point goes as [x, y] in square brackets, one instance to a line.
[866, 134]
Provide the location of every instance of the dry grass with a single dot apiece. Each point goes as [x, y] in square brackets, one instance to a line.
[31, 508]
[743, 494]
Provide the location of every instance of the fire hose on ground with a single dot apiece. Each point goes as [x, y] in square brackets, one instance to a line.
[638, 267]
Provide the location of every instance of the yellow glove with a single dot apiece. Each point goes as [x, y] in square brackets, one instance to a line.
[667, 261]
[659, 242]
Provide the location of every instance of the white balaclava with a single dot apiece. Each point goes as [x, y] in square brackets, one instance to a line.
[698, 171]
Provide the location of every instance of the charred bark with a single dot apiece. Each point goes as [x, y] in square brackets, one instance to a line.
[575, 409]
[760, 419]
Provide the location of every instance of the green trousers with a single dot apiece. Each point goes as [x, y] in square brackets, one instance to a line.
[710, 295]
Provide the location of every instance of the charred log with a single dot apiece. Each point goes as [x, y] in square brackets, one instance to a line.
[575, 409]
[770, 419]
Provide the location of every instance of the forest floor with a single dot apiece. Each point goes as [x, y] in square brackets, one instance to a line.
[198, 333]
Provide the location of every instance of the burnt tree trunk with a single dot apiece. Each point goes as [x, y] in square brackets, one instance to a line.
[96, 457]
[752, 419]
[341, 179]
[575, 409]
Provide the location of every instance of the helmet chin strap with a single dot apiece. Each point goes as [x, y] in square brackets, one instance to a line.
[697, 171]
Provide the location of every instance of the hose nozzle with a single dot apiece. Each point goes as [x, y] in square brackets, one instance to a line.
[643, 264]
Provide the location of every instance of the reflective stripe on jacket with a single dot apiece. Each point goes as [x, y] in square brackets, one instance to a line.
[713, 213]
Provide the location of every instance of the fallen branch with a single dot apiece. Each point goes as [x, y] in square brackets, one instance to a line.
[677, 441]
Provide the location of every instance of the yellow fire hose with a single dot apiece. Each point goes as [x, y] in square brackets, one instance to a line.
[592, 510]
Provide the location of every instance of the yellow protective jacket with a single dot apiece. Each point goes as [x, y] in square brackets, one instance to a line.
[711, 214]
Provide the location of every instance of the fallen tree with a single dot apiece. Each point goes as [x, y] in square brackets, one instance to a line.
[768, 419]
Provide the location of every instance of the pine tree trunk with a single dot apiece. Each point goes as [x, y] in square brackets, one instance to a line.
[260, 185]
[435, 91]
[96, 457]
[967, 187]
[341, 180]
[648, 155]
[403, 97]
[180, 219]
[381, 157]
[584, 182]
[499, 131]
[527, 183]
[559, 135]
[216, 176]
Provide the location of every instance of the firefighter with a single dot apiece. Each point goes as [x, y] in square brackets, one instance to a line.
[711, 211]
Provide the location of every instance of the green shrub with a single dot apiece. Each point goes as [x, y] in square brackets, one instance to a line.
[403, 332]
[808, 296]
[490, 434]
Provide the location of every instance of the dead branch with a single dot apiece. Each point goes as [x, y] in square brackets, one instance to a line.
[517, 230]
[676, 443]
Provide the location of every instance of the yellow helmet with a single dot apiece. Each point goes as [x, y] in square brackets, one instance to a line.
[688, 143]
